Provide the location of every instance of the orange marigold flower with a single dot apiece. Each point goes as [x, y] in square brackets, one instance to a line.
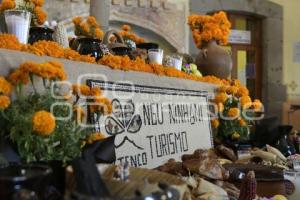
[215, 123]
[220, 107]
[95, 92]
[5, 86]
[242, 122]
[127, 34]
[246, 102]
[126, 27]
[80, 90]
[257, 105]
[233, 112]
[39, 3]
[95, 137]
[4, 102]
[74, 55]
[236, 82]
[242, 91]
[18, 77]
[40, 15]
[223, 89]
[207, 28]
[92, 21]
[85, 27]
[221, 97]
[7, 4]
[47, 48]
[77, 20]
[8, 41]
[232, 90]
[51, 71]
[99, 33]
[30, 67]
[43, 123]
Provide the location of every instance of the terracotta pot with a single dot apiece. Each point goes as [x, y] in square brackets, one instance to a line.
[214, 60]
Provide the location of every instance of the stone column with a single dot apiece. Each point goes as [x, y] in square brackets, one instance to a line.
[100, 9]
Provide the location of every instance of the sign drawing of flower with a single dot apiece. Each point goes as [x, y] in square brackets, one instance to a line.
[123, 122]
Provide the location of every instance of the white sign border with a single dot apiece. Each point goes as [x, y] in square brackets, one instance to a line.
[125, 87]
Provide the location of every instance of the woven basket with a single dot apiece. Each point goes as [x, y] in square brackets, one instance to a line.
[144, 180]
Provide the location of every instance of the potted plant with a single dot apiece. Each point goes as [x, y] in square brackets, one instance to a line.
[89, 37]
[19, 16]
[235, 112]
[209, 32]
[46, 125]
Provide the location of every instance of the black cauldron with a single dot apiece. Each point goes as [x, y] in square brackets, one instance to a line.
[24, 181]
[88, 46]
[147, 46]
[40, 33]
[122, 51]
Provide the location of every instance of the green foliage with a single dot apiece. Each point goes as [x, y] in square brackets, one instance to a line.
[228, 127]
[63, 144]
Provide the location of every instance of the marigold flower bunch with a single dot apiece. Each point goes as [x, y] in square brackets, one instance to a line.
[46, 48]
[39, 16]
[127, 34]
[4, 102]
[50, 71]
[89, 27]
[206, 28]
[8, 41]
[98, 103]
[5, 86]
[234, 108]
[41, 131]
[5, 89]
[7, 5]
[124, 63]
[53, 49]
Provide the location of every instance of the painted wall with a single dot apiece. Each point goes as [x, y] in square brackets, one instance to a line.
[291, 36]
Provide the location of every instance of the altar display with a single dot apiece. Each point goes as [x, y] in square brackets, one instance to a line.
[168, 128]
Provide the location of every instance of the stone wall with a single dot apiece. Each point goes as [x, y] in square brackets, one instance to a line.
[164, 18]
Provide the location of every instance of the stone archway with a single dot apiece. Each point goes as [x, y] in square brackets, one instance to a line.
[165, 19]
[274, 92]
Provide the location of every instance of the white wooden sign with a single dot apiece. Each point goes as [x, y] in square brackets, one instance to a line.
[240, 37]
[154, 124]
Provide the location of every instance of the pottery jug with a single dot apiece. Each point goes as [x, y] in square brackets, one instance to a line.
[214, 60]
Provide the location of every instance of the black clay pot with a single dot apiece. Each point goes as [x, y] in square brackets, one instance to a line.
[88, 46]
[21, 181]
[284, 144]
[147, 46]
[122, 51]
[40, 33]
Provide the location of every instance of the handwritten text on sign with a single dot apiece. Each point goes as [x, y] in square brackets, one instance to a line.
[154, 124]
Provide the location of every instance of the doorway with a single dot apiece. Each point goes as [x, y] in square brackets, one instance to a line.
[247, 54]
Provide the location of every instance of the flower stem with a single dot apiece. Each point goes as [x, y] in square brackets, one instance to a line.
[32, 82]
